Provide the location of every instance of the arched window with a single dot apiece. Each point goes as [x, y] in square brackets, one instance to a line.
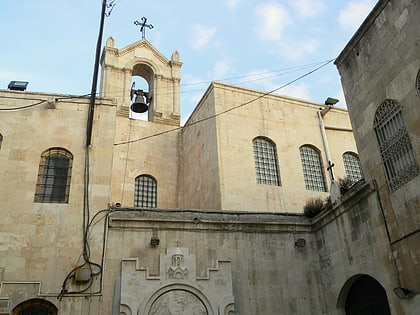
[1, 139]
[397, 153]
[35, 307]
[145, 191]
[54, 175]
[266, 163]
[313, 171]
[352, 166]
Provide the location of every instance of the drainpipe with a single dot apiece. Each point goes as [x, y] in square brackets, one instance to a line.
[321, 114]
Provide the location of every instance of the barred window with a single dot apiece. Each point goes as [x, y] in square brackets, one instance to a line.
[398, 157]
[352, 166]
[313, 172]
[266, 165]
[53, 184]
[145, 193]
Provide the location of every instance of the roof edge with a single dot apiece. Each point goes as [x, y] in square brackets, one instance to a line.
[370, 19]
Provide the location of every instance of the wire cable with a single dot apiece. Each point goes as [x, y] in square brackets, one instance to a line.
[26, 106]
[229, 109]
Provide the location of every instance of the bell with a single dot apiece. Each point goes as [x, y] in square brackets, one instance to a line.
[139, 105]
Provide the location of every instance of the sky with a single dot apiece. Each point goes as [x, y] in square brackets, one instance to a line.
[258, 44]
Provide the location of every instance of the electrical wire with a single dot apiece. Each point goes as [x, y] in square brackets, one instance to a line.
[88, 262]
[229, 109]
[26, 106]
[273, 72]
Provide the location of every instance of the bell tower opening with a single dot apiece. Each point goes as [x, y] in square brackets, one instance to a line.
[138, 83]
[143, 82]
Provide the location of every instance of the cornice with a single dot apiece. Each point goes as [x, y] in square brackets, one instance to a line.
[142, 44]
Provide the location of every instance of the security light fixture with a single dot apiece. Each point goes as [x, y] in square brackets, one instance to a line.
[403, 293]
[17, 85]
[331, 101]
[154, 241]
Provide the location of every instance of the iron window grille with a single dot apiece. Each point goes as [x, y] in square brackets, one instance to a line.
[352, 167]
[53, 184]
[398, 157]
[145, 192]
[266, 163]
[313, 173]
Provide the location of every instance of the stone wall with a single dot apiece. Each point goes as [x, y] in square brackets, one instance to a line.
[382, 62]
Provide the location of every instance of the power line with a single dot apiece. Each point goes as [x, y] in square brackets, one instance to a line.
[26, 106]
[274, 73]
[229, 109]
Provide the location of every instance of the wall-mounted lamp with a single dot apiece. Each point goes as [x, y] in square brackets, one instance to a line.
[17, 85]
[331, 101]
[403, 293]
[154, 241]
[300, 243]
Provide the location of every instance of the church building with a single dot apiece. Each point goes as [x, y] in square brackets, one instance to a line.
[258, 204]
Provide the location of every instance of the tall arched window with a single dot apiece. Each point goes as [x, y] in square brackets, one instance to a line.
[352, 166]
[397, 153]
[313, 171]
[266, 163]
[54, 176]
[145, 191]
[1, 139]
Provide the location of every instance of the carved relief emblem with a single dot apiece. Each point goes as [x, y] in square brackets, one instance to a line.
[177, 270]
[178, 302]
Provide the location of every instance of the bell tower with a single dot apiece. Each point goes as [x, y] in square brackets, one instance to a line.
[160, 98]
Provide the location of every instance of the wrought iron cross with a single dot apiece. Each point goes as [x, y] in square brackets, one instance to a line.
[330, 169]
[143, 26]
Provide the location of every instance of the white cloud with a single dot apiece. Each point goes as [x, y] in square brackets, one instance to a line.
[297, 90]
[352, 16]
[308, 8]
[201, 36]
[232, 3]
[297, 49]
[272, 21]
[221, 69]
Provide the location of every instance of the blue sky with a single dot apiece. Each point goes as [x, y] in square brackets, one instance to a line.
[252, 43]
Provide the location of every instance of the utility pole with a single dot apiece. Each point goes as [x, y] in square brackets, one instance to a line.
[95, 77]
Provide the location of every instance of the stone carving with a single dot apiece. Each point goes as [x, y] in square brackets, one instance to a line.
[177, 289]
[177, 270]
[178, 302]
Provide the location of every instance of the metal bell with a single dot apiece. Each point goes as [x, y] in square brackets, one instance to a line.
[139, 105]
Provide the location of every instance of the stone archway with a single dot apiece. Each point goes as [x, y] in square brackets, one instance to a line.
[35, 306]
[363, 295]
[178, 302]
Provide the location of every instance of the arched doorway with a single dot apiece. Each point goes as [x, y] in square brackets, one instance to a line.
[366, 296]
[35, 307]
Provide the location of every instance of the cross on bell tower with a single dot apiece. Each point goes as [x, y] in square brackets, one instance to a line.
[143, 26]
